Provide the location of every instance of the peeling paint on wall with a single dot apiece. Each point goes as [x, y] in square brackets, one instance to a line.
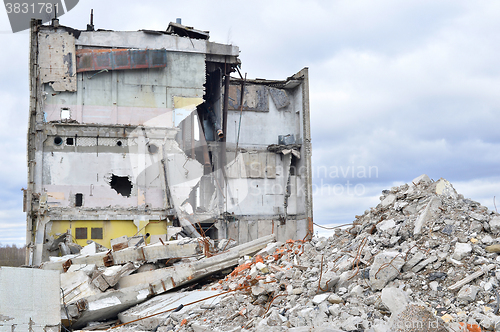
[57, 60]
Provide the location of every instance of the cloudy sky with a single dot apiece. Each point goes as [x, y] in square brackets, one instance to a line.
[397, 88]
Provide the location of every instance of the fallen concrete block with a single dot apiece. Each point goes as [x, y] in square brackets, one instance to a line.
[394, 298]
[146, 254]
[385, 267]
[461, 250]
[119, 243]
[389, 200]
[444, 188]
[76, 285]
[422, 178]
[416, 318]
[495, 225]
[413, 261]
[427, 215]
[111, 275]
[467, 293]
[136, 288]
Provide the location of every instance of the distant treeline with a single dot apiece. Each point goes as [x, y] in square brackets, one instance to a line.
[12, 255]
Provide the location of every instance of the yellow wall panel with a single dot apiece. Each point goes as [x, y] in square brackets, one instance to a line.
[111, 229]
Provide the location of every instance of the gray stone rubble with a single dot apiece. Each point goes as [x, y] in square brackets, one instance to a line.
[424, 259]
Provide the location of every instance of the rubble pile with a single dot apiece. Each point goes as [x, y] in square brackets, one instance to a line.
[424, 259]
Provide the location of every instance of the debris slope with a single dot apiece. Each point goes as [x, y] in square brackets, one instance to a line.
[424, 259]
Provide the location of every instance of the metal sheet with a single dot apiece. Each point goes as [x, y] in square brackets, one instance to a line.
[119, 59]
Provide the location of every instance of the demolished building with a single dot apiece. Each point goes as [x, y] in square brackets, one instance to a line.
[144, 133]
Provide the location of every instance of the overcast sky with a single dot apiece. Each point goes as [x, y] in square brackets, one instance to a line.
[397, 89]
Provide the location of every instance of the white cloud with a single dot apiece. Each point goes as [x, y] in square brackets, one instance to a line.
[409, 87]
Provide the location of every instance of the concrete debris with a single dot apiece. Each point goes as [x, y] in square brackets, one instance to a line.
[101, 293]
[151, 253]
[424, 259]
[416, 262]
[394, 298]
[109, 277]
[416, 318]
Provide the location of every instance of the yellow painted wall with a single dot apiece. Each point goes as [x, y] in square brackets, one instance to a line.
[111, 229]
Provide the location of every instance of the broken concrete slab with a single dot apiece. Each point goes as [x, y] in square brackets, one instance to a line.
[154, 252]
[414, 260]
[416, 318]
[422, 178]
[177, 273]
[102, 306]
[150, 253]
[389, 200]
[444, 188]
[136, 288]
[109, 277]
[385, 267]
[495, 224]
[461, 250]
[76, 285]
[160, 307]
[119, 243]
[427, 215]
[394, 298]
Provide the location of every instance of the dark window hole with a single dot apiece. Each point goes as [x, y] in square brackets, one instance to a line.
[58, 140]
[121, 184]
[78, 199]
[119, 143]
[70, 141]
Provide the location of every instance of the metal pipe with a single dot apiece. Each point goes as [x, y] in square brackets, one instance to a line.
[226, 103]
[192, 137]
[241, 112]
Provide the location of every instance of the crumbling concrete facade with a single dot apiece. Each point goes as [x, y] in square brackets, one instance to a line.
[145, 133]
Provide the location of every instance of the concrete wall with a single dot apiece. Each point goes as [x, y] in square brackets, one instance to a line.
[128, 144]
[258, 178]
[29, 300]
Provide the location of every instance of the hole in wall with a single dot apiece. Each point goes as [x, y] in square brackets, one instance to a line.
[152, 148]
[119, 143]
[58, 140]
[121, 184]
[65, 114]
[70, 141]
[79, 199]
